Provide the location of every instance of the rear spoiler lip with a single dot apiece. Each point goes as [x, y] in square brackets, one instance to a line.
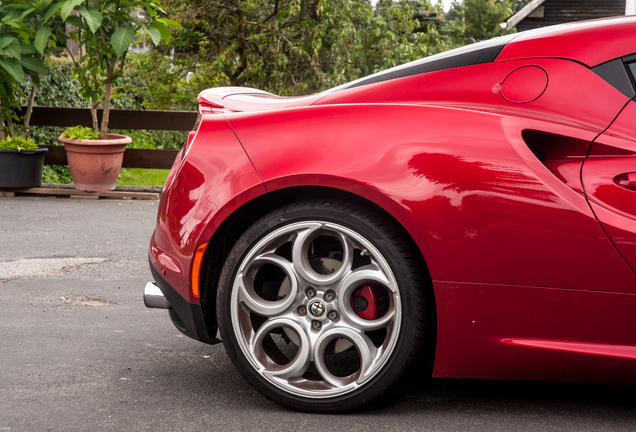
[213, 98]
[244, 99]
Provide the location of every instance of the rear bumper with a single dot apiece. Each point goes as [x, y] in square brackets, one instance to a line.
[187, 317]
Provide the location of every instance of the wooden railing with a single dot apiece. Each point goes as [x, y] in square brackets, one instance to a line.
[119, 119]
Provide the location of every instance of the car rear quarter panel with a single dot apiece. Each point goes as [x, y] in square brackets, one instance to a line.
[215, 177]
[477, 202]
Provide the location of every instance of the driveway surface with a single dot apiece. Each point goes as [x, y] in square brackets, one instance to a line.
[80, 352]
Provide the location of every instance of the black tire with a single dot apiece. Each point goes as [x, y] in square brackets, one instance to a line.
[362, 349]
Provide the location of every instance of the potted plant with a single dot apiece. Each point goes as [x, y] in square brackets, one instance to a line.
[26, 38]
[94, 163]
[21, 163]
[104, 31]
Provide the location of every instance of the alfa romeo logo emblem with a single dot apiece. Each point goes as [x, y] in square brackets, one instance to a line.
[317, 308]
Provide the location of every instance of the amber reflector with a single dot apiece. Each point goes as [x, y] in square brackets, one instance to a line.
[196, 268]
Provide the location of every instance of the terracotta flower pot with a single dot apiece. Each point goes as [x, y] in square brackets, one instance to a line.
[95, 164]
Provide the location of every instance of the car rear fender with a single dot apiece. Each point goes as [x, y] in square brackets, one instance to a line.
[214, 178]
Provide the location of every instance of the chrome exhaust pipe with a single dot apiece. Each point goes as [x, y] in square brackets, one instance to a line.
[154, 298]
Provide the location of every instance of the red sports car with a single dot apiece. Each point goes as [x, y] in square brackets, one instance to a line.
[475, 209]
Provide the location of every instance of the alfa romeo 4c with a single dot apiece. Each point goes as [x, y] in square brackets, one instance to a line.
[475, 209]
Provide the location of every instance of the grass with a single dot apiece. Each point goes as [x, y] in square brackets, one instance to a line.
[142, 177]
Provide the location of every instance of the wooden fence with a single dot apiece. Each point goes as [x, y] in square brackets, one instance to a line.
[119, 119]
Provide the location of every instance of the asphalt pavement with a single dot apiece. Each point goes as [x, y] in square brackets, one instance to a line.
[80, 351]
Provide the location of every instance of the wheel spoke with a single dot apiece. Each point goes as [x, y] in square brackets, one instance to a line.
[272, 258]
[367, 274]
[301, 260]
[368, 355]
[366, 350]
[299, 363]
[247, 294]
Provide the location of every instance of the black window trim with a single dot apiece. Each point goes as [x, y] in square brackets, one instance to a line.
[617, 73]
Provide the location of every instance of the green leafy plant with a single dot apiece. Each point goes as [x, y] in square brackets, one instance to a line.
[104, 31]
[56, 174]
[17, 143]
[80, 133]
[27, 36]
[480, 19]
[287, 47]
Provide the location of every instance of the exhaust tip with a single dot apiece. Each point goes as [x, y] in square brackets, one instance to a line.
[154, 298]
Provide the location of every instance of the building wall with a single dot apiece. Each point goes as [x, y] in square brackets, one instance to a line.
[564, 11]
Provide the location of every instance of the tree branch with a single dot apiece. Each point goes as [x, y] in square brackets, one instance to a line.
[29, 110]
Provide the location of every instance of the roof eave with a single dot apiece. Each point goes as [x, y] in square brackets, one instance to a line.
[524, 12]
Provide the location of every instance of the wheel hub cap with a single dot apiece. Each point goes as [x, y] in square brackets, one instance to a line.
[317, 309]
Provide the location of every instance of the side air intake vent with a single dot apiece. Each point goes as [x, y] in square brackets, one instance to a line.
[549, 147]
[560, 154]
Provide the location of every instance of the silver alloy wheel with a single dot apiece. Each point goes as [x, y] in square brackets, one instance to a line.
[291, 327]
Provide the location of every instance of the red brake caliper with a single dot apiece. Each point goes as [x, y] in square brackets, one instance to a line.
[375, 299]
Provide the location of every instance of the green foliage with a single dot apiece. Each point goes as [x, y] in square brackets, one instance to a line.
[27, 35]
[17, 143]
[142, 139]
[57, 87]
[56, 174]
[80, 133]
[160, 84]
[104, 31]
[149, 139]
[480, 19]
[517, 5]
[287, 47]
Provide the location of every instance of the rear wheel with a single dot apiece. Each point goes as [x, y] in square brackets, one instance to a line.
[321, 306]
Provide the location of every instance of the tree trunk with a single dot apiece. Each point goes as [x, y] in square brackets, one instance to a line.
[74, 48]
[3, 133]
[29, 110]
[106, 111]
[11, 129]
[94, 105]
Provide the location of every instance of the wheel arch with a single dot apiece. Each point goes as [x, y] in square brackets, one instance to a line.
[231, 229]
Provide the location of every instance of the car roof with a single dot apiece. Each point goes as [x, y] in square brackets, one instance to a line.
[588, 42]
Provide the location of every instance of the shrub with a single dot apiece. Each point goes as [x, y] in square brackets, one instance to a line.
[80, 133]
[17, 143]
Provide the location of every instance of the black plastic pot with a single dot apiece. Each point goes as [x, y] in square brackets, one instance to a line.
[21, 169]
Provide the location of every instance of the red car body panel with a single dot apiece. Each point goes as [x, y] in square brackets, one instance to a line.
[590, 43]
[530, 333]
[575, 96]
[495, 222]
[188, 212]
[531, 280]
[609, 177]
